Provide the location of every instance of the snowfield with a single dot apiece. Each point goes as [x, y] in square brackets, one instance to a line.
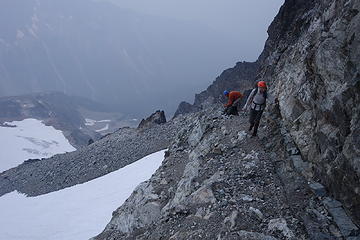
[76, 213]
[30, 138]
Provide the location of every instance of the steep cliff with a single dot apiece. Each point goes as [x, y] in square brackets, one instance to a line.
[311, 60]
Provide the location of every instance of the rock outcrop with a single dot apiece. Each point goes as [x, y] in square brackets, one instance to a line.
[311, 60]
[155, 119]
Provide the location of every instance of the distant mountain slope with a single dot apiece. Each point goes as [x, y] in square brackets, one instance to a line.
[54, 109]
[97, 50]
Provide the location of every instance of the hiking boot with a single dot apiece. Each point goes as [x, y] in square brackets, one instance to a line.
[254, 134]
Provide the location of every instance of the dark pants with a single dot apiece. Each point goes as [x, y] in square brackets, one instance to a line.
[231, 110]
[254, 119]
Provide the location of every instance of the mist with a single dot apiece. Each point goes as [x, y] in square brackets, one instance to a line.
[245, 21]
[138, 56]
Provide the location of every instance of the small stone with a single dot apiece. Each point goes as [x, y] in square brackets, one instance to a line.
[257, 212]
[331, 203]
[268, 145]
[246, 198]
[231, 219]
[318, 189]
[335, 231]
[163, 182]
[293, 151]
[241, 135]
[280, 225]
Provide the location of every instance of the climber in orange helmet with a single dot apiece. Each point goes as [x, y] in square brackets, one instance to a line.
[257, 102]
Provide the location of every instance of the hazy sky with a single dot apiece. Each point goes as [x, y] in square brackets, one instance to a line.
[243, 20]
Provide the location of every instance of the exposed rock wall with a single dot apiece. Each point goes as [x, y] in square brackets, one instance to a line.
[311, 60]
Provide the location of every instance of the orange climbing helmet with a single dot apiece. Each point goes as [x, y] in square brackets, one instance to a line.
[262, 84]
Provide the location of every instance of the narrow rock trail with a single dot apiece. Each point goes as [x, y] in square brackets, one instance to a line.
[217, 182]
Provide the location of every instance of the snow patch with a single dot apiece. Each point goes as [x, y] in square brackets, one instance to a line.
[28, 139]
[89, 122]
[76, 213]
[92, 122]
[103, 129]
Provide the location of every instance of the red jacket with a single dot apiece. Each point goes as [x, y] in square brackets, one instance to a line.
[233, 96]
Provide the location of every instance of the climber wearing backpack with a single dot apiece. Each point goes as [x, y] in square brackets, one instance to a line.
[257, 102]
[233, 98]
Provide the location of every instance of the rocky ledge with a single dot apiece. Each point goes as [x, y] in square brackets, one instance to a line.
[217, 182]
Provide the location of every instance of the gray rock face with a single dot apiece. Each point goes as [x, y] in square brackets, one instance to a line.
[311, 61]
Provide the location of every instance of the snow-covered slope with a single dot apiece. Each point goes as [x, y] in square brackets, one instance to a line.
[79, 212]
[29, 139]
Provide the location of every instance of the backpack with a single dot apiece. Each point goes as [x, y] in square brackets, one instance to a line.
[256, 91]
